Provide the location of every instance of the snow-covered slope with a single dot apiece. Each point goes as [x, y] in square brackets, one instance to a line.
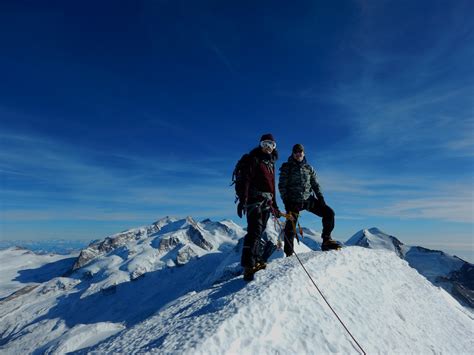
[449, 272]
[21, 268]
[176, 286]
[167, 243]
[376, 294]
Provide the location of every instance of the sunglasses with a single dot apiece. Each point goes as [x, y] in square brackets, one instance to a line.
[268, 144]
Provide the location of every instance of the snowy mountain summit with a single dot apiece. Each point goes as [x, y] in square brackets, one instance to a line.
[374, 238]
[176, 287]
[450, 272]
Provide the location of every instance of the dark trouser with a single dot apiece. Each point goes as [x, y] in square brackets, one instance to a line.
[256, 223]
[312, 205]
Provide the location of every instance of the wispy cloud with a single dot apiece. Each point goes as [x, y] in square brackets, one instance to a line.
[146, 214]
[414, 121]
[368, 184]
[28, 156]
[163, 123]
[465, 246]
[451, 209]
[398, 197]
[408, 99]
[219, 54]
[60, 183]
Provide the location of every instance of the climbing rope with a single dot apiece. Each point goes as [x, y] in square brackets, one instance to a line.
[314, 283]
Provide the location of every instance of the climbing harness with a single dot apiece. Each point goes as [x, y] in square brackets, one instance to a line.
[264, 204]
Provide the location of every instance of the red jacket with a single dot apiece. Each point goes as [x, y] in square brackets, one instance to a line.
[261, 176]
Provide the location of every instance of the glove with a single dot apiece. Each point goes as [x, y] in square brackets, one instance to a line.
[240, 209]
[278, 213]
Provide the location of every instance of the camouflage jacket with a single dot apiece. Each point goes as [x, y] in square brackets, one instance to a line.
[297, 181]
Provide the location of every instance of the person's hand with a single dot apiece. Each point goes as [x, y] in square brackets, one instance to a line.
[278, 213]
[240, 209]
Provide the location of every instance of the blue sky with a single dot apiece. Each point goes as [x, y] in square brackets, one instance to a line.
[114, 113]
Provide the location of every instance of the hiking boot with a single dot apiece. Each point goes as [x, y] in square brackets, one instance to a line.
[330, 244]
[249, 273]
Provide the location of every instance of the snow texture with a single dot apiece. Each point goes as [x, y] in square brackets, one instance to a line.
[21, 268]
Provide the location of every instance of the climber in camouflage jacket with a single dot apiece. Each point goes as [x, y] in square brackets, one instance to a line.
[298, 181]
[298, 187]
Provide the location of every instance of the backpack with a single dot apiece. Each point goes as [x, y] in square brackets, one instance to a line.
[239, 176]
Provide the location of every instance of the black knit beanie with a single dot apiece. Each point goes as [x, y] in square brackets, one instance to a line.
[267, 137]
[298, 148]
